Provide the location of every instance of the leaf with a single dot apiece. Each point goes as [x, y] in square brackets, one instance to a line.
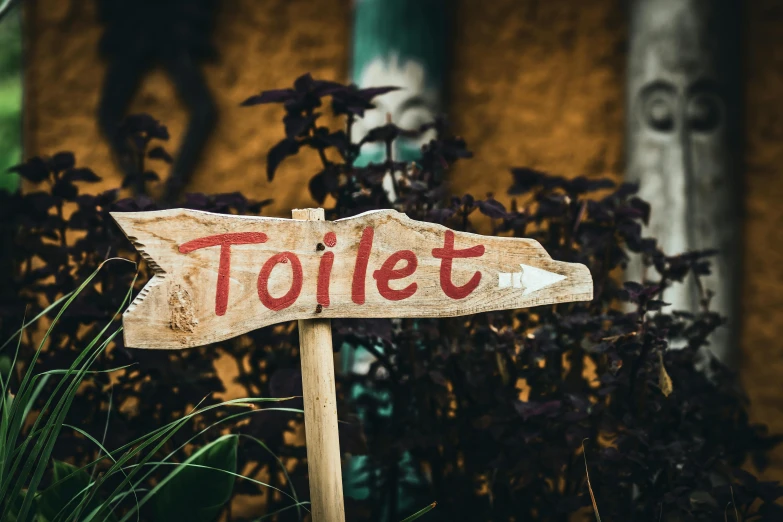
[420, 512]
[150, 175]
[525, 180]
[664, 381]
[318, 187]
[386, 133]
[297, 124]
[257, 206]
[492, 208]
[70, 483]
[14, 509]
[533, 409]
[5, 367]
[63, 161]
[438, 378]
[81, 174]
[283, 149]
[33, 170]
[198, 494]
[65, 190]
[160, 153]
[271, 96]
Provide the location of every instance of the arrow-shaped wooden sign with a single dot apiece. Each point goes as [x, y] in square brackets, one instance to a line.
[218, 276]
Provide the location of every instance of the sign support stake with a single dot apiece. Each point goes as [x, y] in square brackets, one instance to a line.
[320, 409]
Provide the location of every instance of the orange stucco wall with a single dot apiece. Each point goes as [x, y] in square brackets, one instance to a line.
[535, 83]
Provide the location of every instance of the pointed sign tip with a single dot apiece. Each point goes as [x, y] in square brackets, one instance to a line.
[534, 279]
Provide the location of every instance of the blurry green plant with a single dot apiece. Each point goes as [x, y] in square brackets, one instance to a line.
[196, 490]
[10, 93]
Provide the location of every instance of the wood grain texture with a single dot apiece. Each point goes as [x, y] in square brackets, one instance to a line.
[320, 410]
[276, 280]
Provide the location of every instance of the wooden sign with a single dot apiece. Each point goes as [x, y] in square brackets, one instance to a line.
[218, 276]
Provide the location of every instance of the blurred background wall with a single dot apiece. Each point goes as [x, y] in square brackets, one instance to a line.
[533, 83]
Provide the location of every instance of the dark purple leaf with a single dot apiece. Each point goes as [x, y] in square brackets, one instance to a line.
[81, 174]
[284, 148]
[160, 153]
[34, 170]
[492, 208]
[318, 187]
[65, 190]
[271, 96]
[63, 161]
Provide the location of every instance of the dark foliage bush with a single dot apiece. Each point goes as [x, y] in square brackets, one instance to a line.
[496, 408]
[54, 236]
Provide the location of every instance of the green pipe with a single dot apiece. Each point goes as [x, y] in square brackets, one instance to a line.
[400, 43]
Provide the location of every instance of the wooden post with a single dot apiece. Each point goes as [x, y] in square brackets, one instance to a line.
[320, 407]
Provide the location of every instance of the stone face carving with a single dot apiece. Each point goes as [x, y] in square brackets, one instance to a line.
[683, 142]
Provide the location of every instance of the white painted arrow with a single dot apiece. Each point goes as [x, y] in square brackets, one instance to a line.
[530, 278]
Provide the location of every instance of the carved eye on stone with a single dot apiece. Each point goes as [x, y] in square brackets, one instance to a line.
[703, 112]
[659, 111]
[658, 106]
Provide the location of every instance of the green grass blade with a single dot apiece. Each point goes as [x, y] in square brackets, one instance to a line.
[421, 512]
[17, 420]
[106, 453]
[187, 464]
[72, 296]
[92, 493]
[282, 467]
[6, 444]
[34, 395]
[43, 449]
[194, 437]
[163, 437]
[88, 372]
[298, 506]
[64, 399]
[34, 319]
[29, 374]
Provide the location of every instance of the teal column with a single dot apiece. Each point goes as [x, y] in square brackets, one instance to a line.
[10, 92]
[399, 43]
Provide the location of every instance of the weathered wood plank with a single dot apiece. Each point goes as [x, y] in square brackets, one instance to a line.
[269, 270]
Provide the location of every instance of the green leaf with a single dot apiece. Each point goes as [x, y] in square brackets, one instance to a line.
[5, 367]
[71, 484]
[16, 507]
[420, 513]
[197, 489]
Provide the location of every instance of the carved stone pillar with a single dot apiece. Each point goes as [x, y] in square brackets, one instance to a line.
[683, 142]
